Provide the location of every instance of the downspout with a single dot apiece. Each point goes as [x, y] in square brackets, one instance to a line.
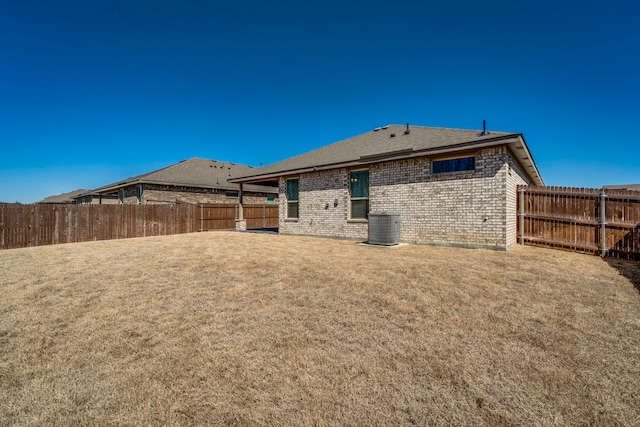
[521, 214]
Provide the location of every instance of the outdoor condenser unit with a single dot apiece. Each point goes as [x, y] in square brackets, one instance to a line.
[384, 229]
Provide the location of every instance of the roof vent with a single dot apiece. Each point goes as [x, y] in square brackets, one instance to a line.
[407, 132]
[376, 129]
[385, 127]
[484, 128]
[392, 135]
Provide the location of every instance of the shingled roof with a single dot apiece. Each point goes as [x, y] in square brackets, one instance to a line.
[195, 172]
[630, 187]
[393, 142]
[64, 197]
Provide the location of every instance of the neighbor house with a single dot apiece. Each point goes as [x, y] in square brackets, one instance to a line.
[629, 187]
[90, 197]
[189, 181]
[449, 186]
[63, 198]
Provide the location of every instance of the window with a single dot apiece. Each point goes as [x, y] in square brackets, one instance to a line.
[359, 191]
[232, 194]
[139, 193]
[460, 164]
[121, 195]
[292, 198]
[271, 199]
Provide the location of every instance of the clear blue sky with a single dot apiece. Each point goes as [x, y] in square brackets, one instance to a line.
[94, 91]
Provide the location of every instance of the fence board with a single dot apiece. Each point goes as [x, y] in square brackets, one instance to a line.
[40, 224]
[261, 216]
[570, 218]
[218, 217]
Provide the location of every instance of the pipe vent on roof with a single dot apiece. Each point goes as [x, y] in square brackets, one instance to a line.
[407, 132]
[484, 128]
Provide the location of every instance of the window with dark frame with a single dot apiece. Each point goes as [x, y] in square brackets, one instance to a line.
[461, 164]
[292, 198]
[232, 194]
[359, 192]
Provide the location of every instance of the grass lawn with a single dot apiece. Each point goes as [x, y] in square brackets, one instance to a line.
[227, 328]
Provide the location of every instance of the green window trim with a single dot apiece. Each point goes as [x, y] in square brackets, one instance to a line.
[359, 194]
[293, 194]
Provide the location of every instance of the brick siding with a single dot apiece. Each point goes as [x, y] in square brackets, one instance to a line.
[153, 194]
[515, 176]
[472, 208]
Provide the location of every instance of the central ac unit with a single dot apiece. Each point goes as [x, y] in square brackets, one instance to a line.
[384, 229]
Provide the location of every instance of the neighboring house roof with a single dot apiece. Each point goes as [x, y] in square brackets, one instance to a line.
[63, 198]
[393, 143]
[633, 187]
[194, 172]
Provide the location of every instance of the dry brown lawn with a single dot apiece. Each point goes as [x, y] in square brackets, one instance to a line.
[228, 328]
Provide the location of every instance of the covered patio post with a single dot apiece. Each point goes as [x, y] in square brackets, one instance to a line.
[241, 223]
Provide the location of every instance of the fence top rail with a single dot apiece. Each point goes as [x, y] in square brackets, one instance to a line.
[581, 192]
[622, 194]
[233, 205]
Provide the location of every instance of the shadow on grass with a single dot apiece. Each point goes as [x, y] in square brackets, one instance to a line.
[628, 268]
[271, 230]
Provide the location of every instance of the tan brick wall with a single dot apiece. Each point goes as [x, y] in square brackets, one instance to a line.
[515, 176]
[465, 208]
[318, 215]
[153, 194]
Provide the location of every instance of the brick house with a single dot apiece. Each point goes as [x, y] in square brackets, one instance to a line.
[449, 186]
[189, 181]
[64, 198]
[630, 187]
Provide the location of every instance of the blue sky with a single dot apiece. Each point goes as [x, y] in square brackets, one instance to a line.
[95, 91]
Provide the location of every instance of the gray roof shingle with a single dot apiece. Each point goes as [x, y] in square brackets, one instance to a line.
[63, 198]
[631, 187]
[392, 142]
[195, 172]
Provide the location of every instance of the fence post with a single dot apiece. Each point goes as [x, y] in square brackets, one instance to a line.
[603, 224]
[264, 216]
[201, 218]
[2, 219]
[521, 214]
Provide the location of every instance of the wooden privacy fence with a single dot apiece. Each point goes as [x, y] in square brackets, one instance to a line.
[221, 217]
[43, 224]
[592, 220]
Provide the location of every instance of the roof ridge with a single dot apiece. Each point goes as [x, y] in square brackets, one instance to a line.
[446, 128]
